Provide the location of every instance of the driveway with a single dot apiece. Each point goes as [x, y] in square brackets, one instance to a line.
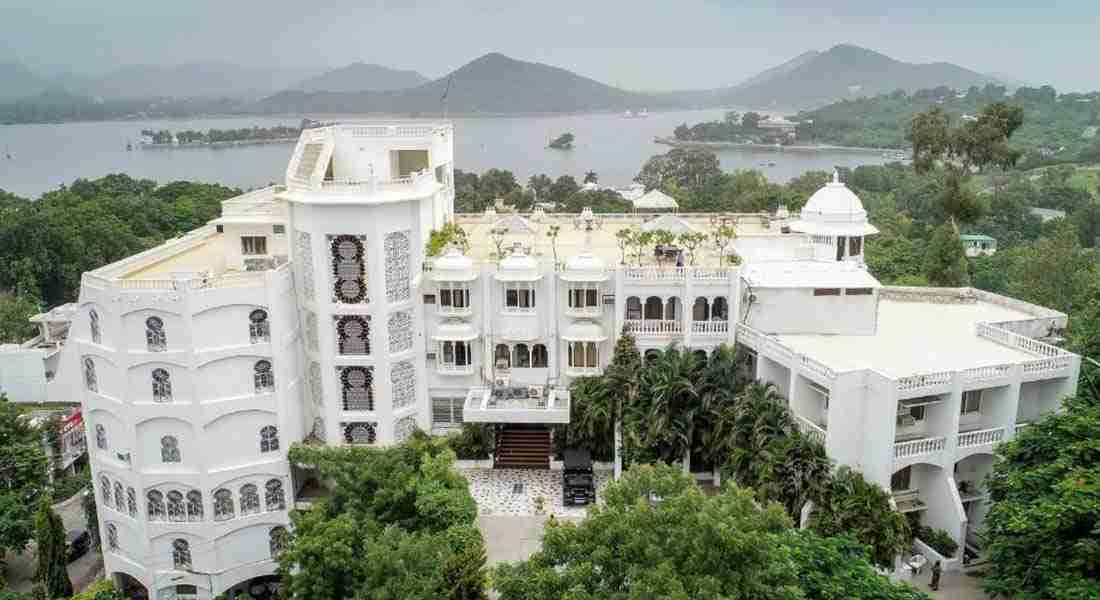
[83, 571]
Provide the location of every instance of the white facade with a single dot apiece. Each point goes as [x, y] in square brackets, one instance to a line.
[362, 338]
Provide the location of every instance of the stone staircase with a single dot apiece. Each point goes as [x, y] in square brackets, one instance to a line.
[523, 447]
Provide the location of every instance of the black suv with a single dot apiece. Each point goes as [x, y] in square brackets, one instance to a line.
[578, 483]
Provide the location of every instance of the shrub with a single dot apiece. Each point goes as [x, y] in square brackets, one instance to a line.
[938, 539]
[475, 441]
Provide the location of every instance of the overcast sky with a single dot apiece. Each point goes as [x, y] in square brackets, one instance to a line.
[639, 44]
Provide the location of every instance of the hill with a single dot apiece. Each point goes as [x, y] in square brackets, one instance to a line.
[779, 70]
[195, 80]
[844, 72]
[493, 83]
[358, 77]
[17, 81]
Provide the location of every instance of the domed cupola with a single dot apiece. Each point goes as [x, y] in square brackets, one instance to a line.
[835, 217]
[453, 266]
[585, 267]
[518, 266]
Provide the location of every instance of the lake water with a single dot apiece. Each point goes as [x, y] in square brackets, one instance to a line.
[46, 156]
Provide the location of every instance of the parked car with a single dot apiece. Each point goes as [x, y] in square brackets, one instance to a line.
[578, 483]
[77, 542]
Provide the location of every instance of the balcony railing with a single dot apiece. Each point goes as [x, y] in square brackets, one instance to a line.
[810, 429]
[454, 311]
[583, 371]
[516, 405]
[981, 437]
[908, 501]
[653, 327]
[923, 382]
[710, 327]
[919, 447]
[654, 274]
[452, 369]
[584, 311]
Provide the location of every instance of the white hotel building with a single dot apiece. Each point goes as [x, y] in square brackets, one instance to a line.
[308, 313]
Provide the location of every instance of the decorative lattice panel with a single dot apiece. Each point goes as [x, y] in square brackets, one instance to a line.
[347, 255]
[352, 334]
[403, 428]
[400, 330]
[397, 251]
[403, 383]
[303, 263]
[357, 387]
[359, 433]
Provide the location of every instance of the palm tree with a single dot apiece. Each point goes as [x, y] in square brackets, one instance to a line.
[670, 405]
[719, 384]
[591, 177]
[593, 416]
[759, 417]
[799, 471]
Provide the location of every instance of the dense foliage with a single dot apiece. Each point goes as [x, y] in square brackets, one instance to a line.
[45, 245]
[398, 523]
[1043, 530]
[658, 536]
[214, 136]
[51, 551]
[852, 506]
[23, 467]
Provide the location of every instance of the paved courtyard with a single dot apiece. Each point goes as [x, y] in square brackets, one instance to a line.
[514, 491]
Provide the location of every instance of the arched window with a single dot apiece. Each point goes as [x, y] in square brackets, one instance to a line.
[120, 497]
[105, 489]
[263, 377]
[250, 499]
[194, 506]
[89, 375]
[540, 359]
[721, 309]
[93, 324]
[162, 386]
[112, 537]
[349, 273]
[700, 311]
[359, 433]
[583, 354]
[277, 539]
[269, 439]
[653, 308]
[353, 334]
[131, 502]
[455, 354]
[672, 309]
[155, 339]
[521, 357]
[154, 505]
[633, 308]
[357, 388]
[169, 449]
[274, 498]
[181, 554]
[223, 505]
[259, 330]
[100, 437]
[502, 357]
[176, 511]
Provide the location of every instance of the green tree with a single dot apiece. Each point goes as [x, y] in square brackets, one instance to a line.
[562, 142]
[798, 470]
[945, 260]
[751, 120]
[663, 418]
[591, 177]
[692, 241]
[1042, 535]
[91, 513]
[51, 551]
[1054, 271]
[852, 506]
[16, 525]
[14, 312]
[691, 168]
[552, 233]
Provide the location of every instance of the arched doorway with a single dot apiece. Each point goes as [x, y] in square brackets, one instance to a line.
[130, 587]
[265, 587]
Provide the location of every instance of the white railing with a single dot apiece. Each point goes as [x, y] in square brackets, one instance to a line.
[918, 447]
[810, 429]
[1007, 338]
[455, 311]
[816, 366]
[583, 371]
[710, 274]
[653, 327]
[710, 327]
[923, 381]
[978, 438]
[377, 183]
[584, 311]
[1044, 365]
[654, 274]
[763, 344]
[985, 373]
[453, 369]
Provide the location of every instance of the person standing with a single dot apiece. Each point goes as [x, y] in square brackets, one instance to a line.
[936, 570]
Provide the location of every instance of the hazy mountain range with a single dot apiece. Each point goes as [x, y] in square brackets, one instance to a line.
[495, 83]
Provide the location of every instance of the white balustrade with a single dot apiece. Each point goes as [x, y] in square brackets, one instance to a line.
[710, 274]
[985, 373]
[918, 447]
[978, 438]
[810, 429]
[584, 311]
[583, 371]
[653, 327]
[815, 366]
[923, 381]
[454, 311]
[653, 274]
[1008, 338]
[710, 327]
[453, 369]
[1045, 365]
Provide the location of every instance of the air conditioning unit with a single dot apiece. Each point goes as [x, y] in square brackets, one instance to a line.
[430, 356]
[907, 421]
[502, 380]
[534, 391]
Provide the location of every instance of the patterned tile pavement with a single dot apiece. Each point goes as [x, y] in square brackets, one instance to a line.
[513, 491]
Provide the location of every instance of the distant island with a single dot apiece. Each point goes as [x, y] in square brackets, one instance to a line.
[164, 138]
[562, 142]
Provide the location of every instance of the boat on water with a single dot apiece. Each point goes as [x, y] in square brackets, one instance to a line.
[641, 114]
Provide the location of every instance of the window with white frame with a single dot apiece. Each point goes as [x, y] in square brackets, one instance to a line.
[93, 323]
[105, 489]
[100, 437]
[194, 506]
[250, 499]
[120, 497]
[156, 340]
[584, 296]
[521, 356]
[112, 537]
[276, 540]
[263, 377]
[519, 296]
[357, 388]
[971, 402]
[252, 245]
[162, 386]
[181, 554]
[90, 380]
[223, 505]
[583, 355]
[454, 296]
[259, 329]
[540, 358]
[131, 502]
[176, 510]
[447, 412]
[901, 480]
[353, 334]
[454, 354]
[169, 449]
[154, 505]
[274, 497]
